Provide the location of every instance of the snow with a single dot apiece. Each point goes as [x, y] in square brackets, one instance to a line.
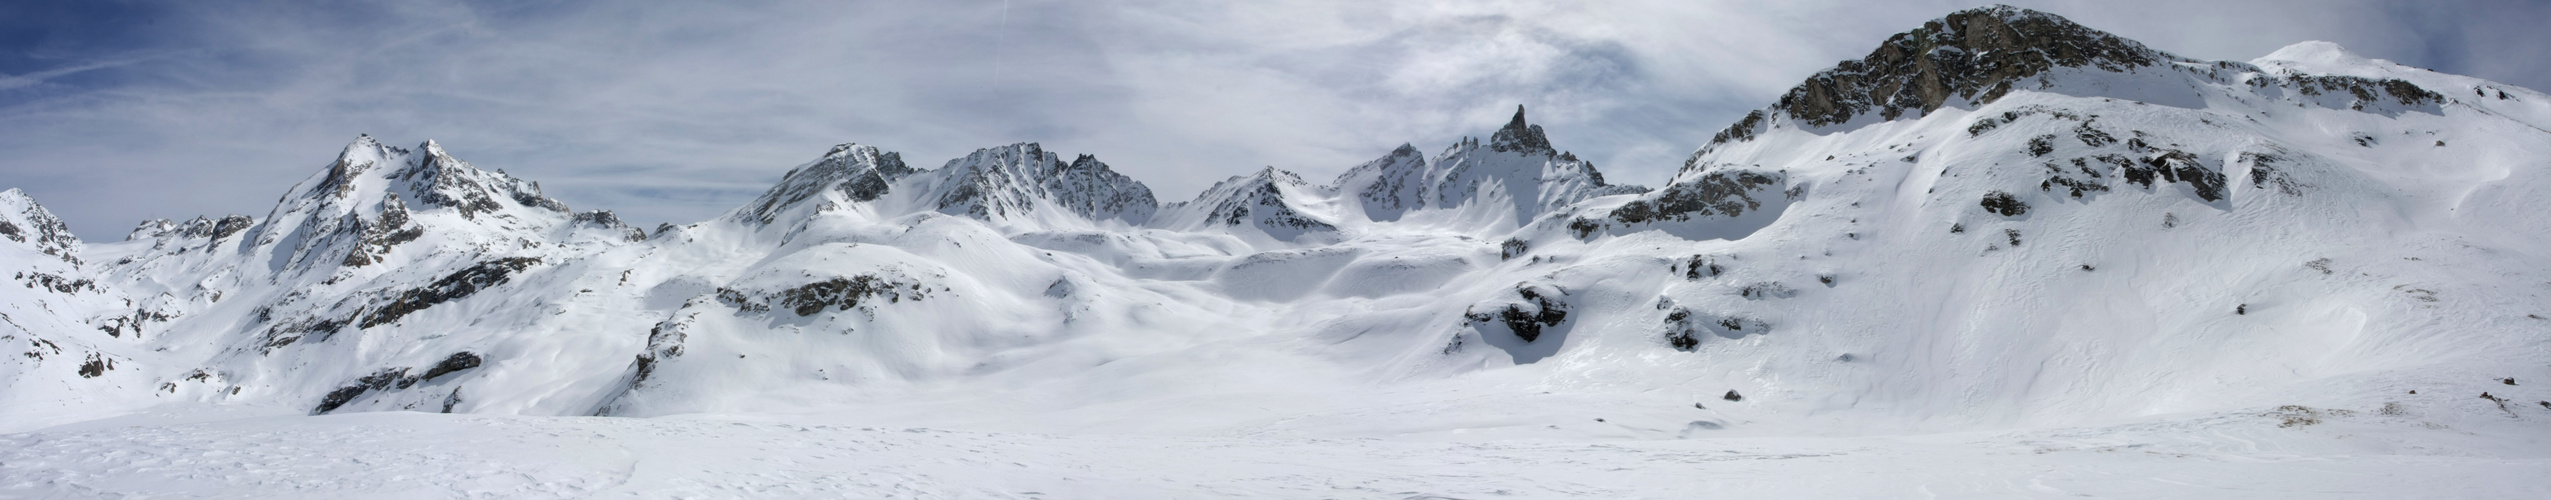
[2187, 279]
[408, 455]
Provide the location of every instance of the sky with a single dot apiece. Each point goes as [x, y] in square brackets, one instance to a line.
[114, 112]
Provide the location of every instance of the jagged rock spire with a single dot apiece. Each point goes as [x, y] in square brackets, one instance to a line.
[1519, 137]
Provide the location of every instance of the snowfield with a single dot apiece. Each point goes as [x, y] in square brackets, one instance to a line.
[411, 455]
[2004, 255]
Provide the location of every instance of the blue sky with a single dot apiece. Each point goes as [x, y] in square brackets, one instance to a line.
[113, 112]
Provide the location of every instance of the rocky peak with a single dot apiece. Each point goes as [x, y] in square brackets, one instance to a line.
[1088, 187]
[1520, 161]
[1259, 200]
[1009, 181]
[1388, 186]
[23, 221]
[859, 173]
[437, 179]
[1973, 55]
[1518, 137]
[199, 227]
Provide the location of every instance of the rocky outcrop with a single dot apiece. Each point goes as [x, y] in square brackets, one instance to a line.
[1974, 55]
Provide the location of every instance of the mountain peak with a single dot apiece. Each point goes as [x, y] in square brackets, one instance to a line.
[860, 173]
[1007, 183]
[1974, 55]
[24, 221]
[1520, 137]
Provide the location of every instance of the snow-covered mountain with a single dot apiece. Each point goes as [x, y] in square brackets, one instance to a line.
[2000, 218]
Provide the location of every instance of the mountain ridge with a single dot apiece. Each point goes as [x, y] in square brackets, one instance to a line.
[1977, 239]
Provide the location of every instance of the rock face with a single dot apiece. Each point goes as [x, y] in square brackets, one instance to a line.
[1390, 186]
[1973, 55]
[25, 222]
[1264, 202]
[1520, 138]
[851, 172]
[1019, 180]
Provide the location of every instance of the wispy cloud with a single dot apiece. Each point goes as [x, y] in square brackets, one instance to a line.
[674, 112]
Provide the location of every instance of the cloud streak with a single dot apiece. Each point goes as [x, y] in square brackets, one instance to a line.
[674, 113]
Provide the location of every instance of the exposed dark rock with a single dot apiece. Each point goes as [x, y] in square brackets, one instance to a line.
[2365, 90]
[664, 342]
[381, 380]
[2041, 145]
[740, 301]
[337, 398]
[2171, 165]
[452, 400]
[1259, 198]
[458, 361]
[281, 335]
[49, 234]
[1006, 181]
[2091, 136]
[117, 326]
[1767, 290]
[1733, 396]
[1683, 328]
[1398, 183]
[846, 293]
[1518, 137]
[1512, 248]
[1973, 55]
[1089, 188]
[96, 366]
[373, 240]
[607, 220]
[1698, 267]
[459, 284]
[1529, 316]
[2266, 170]
[859, 173]
[56, 283]
[1719, 193]
[2004, 204]
[1679, 332]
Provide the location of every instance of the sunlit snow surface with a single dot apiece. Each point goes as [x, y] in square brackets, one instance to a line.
[409, 455]
[2313, 305]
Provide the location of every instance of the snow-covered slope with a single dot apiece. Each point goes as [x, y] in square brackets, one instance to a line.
[2001, 219]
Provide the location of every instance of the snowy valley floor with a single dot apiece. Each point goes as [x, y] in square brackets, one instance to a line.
[234, 453]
